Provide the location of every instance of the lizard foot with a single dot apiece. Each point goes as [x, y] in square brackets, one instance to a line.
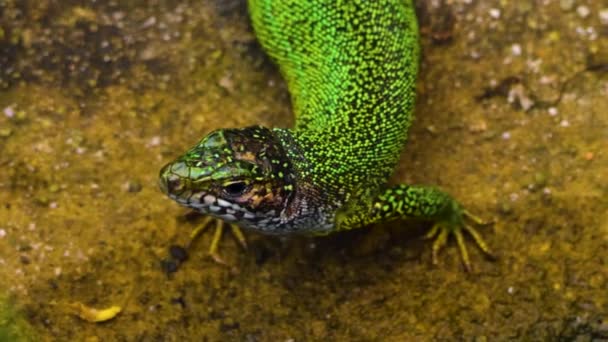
[441, 231]
[217, 236]
[179, 254]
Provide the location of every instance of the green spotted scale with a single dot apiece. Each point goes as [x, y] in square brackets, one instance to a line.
[351, 68]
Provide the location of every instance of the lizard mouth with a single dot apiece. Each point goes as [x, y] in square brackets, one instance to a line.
[211, 205]
[205, 202]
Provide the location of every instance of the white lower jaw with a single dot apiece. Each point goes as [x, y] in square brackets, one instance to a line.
[212, 205]
[228, 217]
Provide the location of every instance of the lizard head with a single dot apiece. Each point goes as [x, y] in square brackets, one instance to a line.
[239, 175]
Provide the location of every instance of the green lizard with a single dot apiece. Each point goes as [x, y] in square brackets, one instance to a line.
[351, 69]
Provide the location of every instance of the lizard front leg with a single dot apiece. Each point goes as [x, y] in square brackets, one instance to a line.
[422, 203]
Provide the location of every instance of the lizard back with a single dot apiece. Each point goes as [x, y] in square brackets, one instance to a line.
[351, 68]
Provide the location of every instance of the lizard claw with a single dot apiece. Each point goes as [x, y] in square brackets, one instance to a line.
[217, 236]
[215, 242]
[441, 231]
[238, 235]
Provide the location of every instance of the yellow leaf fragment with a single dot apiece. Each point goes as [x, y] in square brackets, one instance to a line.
[94, 315]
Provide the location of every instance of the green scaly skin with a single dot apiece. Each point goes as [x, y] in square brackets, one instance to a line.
[351, 69]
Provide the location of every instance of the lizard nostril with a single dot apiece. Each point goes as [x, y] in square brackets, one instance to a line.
[169, 182]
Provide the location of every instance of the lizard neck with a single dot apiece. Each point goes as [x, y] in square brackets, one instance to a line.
[313, 204]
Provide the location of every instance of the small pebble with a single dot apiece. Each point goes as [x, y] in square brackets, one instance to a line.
[179, 301]
[564, 123]
[479, 126]
[227, 83]
[552, 111]
[2, 233]
[133, 186]
[592, 33]
[516, 49]
[9, 112]
[149, 22]
[154, 141]
[518, 94]
[495, 13]
[168, 266]
[506, 135]
[604, 16]
[583, 11]
[178, 253]
[25, 259]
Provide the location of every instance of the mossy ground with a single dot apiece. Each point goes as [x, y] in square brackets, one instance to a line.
[512, 119]
[13, 325]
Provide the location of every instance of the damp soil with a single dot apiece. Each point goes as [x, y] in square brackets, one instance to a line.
[96, 96]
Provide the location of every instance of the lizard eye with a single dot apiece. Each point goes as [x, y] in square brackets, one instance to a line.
[235, 188]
